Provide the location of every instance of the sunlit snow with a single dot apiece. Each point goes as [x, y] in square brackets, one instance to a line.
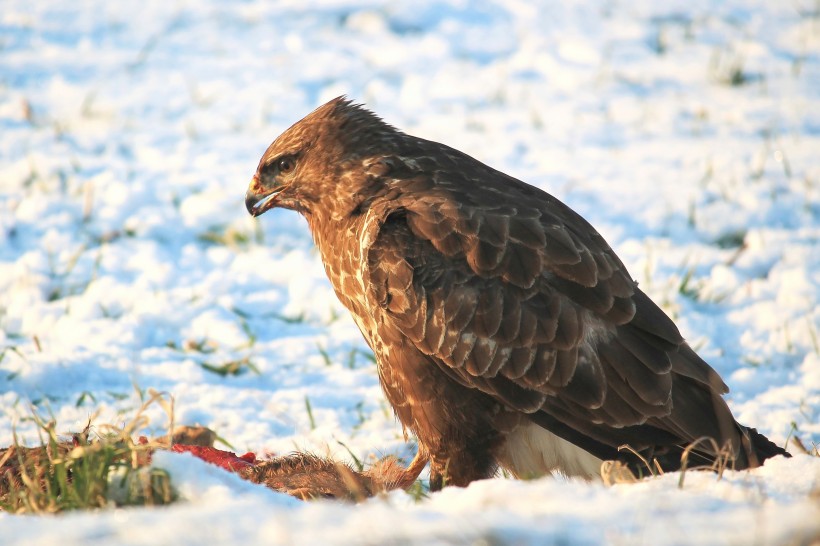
[687, 132]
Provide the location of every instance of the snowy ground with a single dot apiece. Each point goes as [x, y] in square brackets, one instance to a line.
[687, 132]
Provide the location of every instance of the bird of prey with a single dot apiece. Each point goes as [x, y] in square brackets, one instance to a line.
[507, 333]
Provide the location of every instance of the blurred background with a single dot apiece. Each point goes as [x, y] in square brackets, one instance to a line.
[687, 132]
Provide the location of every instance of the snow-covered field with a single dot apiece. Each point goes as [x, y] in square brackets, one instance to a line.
[687, 132]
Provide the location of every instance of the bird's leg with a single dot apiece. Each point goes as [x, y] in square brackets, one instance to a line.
[438, 475]
[387, 474]
[415, 467]
[460, 467]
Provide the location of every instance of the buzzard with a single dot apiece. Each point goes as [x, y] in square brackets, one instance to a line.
[506, 330]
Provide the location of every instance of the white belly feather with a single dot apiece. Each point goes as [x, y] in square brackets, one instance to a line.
[531, 451]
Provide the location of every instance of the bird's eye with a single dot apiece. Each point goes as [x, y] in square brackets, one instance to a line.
[285, 165]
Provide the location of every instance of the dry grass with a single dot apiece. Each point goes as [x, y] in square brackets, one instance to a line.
[616, 472]
[84, 472]
[725, 459]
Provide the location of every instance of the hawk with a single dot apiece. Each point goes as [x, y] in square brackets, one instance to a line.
[507, 333]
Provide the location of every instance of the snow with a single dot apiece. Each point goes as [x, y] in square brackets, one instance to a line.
[687, 132]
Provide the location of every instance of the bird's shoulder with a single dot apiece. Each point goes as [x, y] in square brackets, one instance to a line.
[498, 226]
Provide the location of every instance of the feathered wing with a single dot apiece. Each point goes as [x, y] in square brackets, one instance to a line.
[512, 293]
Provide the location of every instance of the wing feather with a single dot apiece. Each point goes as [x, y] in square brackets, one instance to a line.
[479, 323]
[530, 305]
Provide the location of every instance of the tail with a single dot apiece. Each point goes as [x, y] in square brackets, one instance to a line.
[757, 448]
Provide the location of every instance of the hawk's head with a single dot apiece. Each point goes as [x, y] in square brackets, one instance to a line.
[319, 160]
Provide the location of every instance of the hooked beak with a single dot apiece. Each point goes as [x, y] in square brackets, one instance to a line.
[259, 199]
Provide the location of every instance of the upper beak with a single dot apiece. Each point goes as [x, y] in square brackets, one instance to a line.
[259, 199]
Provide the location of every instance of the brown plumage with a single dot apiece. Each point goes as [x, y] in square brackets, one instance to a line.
[506, 330]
